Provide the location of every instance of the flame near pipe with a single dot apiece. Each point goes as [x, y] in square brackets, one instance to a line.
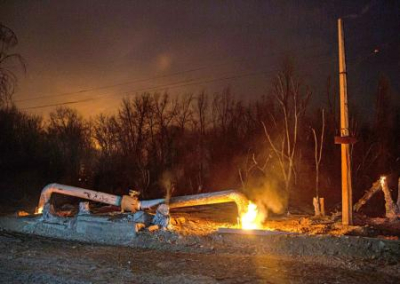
[250, 219]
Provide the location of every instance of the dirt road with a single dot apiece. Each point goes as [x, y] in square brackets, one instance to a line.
[25, 259]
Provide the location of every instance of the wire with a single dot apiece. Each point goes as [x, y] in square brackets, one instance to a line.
[112, 86]
[174, 85]
[156, 77]
[59, 104]
[171, 86]
[172, 74]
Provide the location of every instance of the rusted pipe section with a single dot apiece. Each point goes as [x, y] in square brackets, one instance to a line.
[96, 196]
[226, 196]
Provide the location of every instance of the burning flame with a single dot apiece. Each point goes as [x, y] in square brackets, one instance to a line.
[249, 220]
[22, 213]
[39, 210]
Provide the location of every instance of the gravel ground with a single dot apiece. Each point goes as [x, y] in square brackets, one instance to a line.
[28, 259]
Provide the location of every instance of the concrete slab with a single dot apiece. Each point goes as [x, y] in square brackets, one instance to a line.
[87, 228]
[95, 227]
[117, 230]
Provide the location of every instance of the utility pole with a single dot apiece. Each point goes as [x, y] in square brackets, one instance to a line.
[347, 200]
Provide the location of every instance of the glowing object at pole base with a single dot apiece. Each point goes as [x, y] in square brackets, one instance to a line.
[382, 180]
[249, 220]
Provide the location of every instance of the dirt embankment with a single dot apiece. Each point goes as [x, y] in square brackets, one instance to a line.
[193, 236]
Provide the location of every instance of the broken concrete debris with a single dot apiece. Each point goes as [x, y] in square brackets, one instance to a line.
[84, 208]
[139, 226]
[153, 228]
[162, 217]
[48, 213]
[140, 217]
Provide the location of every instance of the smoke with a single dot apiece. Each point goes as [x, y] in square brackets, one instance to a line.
[363, 11]
[268, 195]
[169, 181]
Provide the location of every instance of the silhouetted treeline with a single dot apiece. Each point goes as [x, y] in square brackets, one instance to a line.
[196, 143]
[158, 143]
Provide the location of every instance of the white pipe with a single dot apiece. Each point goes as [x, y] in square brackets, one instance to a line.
[146, 204]
[97, 196]
[132, 204]
[226, 196]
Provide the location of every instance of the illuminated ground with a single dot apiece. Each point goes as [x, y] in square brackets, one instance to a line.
[193, 253]
[204, 220]
[38, 260]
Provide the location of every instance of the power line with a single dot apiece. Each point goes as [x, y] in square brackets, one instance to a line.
[113, 85]
[169, 75]
[178, 84]
[168, 86]
[174, 85]
[156, 77]
[59, 104]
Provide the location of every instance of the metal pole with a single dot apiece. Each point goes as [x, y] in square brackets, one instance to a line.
[347, 214]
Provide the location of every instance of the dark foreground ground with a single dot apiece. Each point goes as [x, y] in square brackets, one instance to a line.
[30, 259]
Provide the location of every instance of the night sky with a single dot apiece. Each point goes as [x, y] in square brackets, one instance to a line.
[93, 53]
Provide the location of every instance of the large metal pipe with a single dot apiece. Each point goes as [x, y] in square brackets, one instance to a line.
[97, 196]
[128, 203]
[226, 196]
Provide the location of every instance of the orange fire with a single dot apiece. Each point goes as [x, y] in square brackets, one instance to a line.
[39, 210]
[22, 213]
[250, 220]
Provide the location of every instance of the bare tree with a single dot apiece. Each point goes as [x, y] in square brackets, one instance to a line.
[318, 151]
[292, 103]
[318, 147]
[164, 113]
[222, 110]
[184, 112]
[251, 165]
[126, 117]
[201, 113]
[8, 79]
[135, 134]
[105, 134]
[70, 135]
